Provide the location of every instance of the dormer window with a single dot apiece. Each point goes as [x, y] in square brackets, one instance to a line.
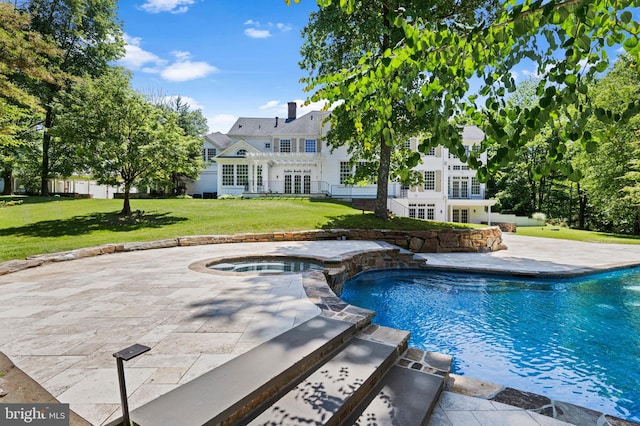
[241, 153]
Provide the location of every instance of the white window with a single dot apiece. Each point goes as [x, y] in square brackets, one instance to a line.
[430, 180]
[461, 215]
[241, 153]
[475, 186]
[285, 145]
[407, 144]
[227, 174]
[345, 172]
[310, 145]
[412, 210]
[242, 174]
[431, 152]
[421, 212]
[431, 211]
[208, 153]
[267, 145]
[259, 176]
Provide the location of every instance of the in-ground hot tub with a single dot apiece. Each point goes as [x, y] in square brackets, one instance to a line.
[266, 264]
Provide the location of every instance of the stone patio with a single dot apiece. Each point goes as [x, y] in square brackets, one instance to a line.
[63, 321]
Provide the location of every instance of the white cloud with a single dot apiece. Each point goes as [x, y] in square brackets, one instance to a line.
[182, 69]
[283, 27]
[256, 33]
[221, 122]
[136, 58]
[271, 105]
[258, 30]
[187, 70]
[171, 6]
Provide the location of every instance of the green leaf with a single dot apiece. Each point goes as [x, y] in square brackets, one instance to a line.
[626, 17]
[591, 147]
[630, 43]
[520, 27]
[575, 176]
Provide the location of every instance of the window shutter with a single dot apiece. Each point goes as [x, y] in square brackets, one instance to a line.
[413, 142]
[438, 180]
[439, 151]
[276, 145]
[301, 145]
[318, 145]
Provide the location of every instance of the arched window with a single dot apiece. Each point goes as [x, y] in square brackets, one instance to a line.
[241, 153]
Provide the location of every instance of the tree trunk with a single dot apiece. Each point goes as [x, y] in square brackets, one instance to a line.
[126, 205]
[582, 208]
[46, 146]
[7, 177]
[570, 215]
[382, 192]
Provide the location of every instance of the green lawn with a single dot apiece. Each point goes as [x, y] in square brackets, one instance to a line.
[576, 235]
[47, 225]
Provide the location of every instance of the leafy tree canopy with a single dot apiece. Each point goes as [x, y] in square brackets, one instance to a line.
[566, 40]
[25, 54]
[124, 138]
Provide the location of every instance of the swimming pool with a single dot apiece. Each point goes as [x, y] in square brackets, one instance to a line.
[571, 339]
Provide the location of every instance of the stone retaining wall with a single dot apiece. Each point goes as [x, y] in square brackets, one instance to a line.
[443, 241]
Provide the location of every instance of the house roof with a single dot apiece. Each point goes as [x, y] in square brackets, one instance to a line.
[247, 126]
[309, 124]
[472, 134]
[219, 139]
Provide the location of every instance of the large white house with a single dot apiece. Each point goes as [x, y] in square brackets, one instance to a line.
[278, 156]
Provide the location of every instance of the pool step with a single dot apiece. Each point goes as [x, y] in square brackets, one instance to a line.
[403, 397]
[230, 391]
[323, 372]
[330, 394]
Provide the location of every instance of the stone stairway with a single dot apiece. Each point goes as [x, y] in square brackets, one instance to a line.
[323, 372]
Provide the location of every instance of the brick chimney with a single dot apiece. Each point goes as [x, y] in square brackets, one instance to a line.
[292, 111]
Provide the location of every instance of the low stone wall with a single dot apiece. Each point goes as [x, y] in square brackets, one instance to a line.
[443, 241]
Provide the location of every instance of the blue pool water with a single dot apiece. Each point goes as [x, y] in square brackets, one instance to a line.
[571, 339]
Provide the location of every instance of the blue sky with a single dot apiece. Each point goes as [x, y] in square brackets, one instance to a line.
[231, 58]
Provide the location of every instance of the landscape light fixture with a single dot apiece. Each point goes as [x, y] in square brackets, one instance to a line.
[125, 355]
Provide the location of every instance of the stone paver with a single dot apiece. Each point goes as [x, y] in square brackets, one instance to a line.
[63, 321]
[459, 410]
[532, 255]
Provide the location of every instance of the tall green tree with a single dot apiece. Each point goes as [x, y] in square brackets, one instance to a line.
[566, 40]
[338, 39]
[194, 125]
[122, 136]
[610, 171]
[24, 53]
[89, 35]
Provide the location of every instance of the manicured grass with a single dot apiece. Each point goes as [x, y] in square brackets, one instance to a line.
[47, 225]
[577, 235]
